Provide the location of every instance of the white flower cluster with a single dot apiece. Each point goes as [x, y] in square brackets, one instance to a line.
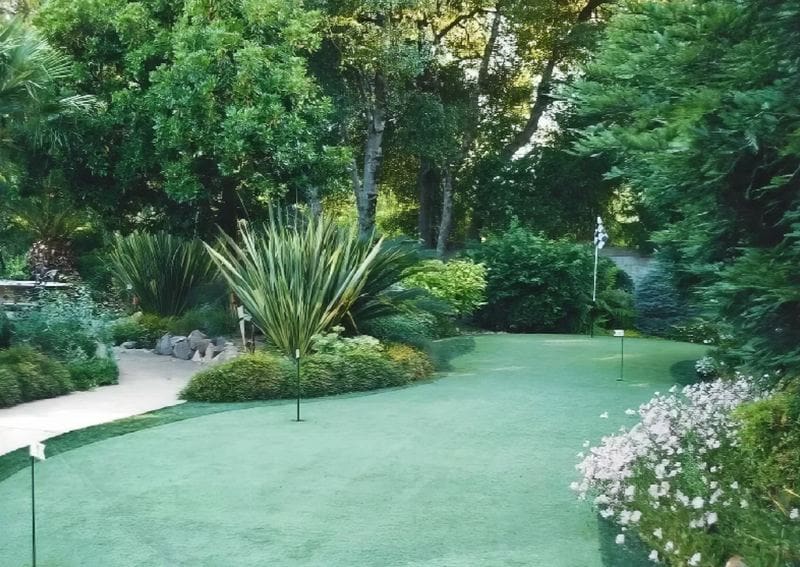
[698, 419]
[706, 367]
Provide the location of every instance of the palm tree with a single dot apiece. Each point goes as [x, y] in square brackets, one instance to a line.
[33, 110]
[31, 72]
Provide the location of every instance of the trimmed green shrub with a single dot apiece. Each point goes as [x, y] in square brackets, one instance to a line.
[143, 328]
[36, 376]
[87, 374]
[256, 376]
[539, 285]
[416, 364]
[5, 330]
[461, 283]
[416, 329]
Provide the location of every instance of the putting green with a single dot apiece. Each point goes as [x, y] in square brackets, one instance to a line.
[468, 470]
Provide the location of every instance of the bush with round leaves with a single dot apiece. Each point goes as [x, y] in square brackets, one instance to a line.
[27, 375]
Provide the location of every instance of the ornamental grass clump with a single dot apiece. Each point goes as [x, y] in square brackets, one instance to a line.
[681, 481]
[296, 282]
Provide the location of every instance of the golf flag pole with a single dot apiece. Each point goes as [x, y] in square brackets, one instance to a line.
[600, 238]
[297, 361]
[621, 334]
[37, 453]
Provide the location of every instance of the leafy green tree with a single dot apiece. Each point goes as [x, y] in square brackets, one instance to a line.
[211, 111]
[695, 106]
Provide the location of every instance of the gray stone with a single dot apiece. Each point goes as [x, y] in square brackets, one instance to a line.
[182, 350]
[209, 355]
[228, 353]
[197, 356]
[195, 337]
[220, 342]
[201, 345]
[176, 339]
[164, 345]
[129, 344]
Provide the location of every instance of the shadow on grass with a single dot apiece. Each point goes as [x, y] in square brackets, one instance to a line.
[683, 372]
[632, 554]
[444, 351]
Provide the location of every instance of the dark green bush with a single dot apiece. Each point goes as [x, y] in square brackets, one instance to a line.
[415, 329]
[86, 374]
[770, 436]
[36, 376]
[212, 320]
[659, 306]
[539, 285]
[5, 330]
[264, 376]
[256, 376]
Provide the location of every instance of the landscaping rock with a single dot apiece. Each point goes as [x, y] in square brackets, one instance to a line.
[182, 350]
[219, 342]
[228, 353]
[201, 345]
[176, 339]
[197, 356]
[164, 345]
[129, 344]
[195, 337]
[209, 354]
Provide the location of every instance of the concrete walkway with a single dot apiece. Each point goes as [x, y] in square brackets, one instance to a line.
[147, 382]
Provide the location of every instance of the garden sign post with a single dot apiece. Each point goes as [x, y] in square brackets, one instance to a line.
[36, 452]
[621, 334]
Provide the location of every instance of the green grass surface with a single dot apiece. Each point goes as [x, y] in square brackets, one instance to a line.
[468, 470]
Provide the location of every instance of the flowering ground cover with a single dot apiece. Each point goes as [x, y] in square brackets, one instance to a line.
[469, 469]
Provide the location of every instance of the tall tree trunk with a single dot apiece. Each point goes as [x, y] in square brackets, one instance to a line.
[446, 224]
[427, 180]
[470, 134]
[314, 202]
[367, 189]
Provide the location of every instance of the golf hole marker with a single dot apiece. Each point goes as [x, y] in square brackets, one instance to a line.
[621, 334]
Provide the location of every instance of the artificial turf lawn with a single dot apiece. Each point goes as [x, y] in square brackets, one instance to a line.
[468, 470]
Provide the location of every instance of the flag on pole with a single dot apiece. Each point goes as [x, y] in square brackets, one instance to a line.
[600, 235]
[37, 450]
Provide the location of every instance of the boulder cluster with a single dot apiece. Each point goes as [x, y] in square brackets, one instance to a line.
[196, 346]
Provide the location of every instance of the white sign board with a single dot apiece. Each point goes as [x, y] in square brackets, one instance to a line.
[619, 333]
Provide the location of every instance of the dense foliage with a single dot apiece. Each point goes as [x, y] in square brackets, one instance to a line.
[337, 365]
[27, 375]
[695, 106]
[461, 283]
[540, 285]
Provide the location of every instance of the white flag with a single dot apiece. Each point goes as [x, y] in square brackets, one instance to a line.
[37, 450]
[600, 234]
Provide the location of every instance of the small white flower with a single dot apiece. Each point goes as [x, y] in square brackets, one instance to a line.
[653, 556]
[659, 533]
[743, 503]
[697, 502]
[586, 444]
[711, 518]
[620, 539]
[630, 411]
[607, 513]
[694, 559]
[669, 546]
[630, 491]
[636, 516]
[604, 415]
[794, 514]
[735, 485]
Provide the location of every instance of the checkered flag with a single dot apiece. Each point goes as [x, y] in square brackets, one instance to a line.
[600, 235]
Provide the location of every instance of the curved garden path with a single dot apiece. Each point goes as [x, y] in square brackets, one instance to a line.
[470, 470]
[146, 382]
